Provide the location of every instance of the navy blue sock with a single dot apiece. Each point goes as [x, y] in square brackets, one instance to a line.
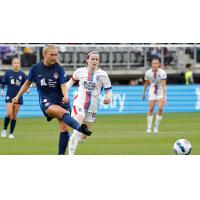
[12, 125]
[6, 122]
[71, 121]
[63, 142]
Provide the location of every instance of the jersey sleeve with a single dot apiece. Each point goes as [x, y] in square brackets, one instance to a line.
[163, 75]
[62, 76]
[31, 76]
[75, 75]
[107, 83]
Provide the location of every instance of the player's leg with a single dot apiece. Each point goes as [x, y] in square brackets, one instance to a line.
[82, 117]
[76, 135]
[150, 115]
[56, 111]
[159, 115]
[15, 110]
[78, 114]
[63, 139]
[7, 119]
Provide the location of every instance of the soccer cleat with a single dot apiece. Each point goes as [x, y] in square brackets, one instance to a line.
[148, 131]
[84, 129]
[11, 136]
[3, 133]
[155, 130]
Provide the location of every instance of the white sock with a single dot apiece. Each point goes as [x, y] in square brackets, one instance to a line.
[73, 142]
[158, 120]
[149, 121]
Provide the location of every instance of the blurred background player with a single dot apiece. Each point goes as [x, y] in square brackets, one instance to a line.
[13, 79]
[156, 77]
[188, 74]
[91, 82]
[50, 79]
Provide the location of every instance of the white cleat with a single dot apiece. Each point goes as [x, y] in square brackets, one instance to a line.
[148, 131]
[11, 136]
[155, 130]
[3, 133]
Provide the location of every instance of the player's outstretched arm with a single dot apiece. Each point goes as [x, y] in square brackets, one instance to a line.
[164, 90]
[23, 89]
[145, 88]
[70, 83]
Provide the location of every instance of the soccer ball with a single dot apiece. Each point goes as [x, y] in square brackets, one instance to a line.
[182, 147]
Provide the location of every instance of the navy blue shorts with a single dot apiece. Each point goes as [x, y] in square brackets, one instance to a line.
[9, 100]
[45, 106]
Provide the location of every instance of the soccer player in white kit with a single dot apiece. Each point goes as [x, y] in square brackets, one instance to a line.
[92, 80]
[156, 77]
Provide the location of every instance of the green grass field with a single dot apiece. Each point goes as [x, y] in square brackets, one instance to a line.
[112, 135]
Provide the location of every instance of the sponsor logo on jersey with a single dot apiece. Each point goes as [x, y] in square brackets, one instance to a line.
[12, 82]
[42, 82]
[89, 85]
[98, 78]
[56, 75]
[18, 83]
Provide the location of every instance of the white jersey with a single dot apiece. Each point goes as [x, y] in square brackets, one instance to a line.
[90, 87]
[156, 90]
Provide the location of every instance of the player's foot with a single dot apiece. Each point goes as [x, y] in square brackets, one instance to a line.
[11, 136]
[84, 130]
[3, 133]
[148, 131]
[155, 130]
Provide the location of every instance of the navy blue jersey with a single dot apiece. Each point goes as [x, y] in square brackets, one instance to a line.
[14, 81]
[48, 81]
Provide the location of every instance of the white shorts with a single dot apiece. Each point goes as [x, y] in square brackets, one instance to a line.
[155, 97]
[87, 116]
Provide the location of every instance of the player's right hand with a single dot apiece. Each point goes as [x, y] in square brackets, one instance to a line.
[15, 100]
[65, 100]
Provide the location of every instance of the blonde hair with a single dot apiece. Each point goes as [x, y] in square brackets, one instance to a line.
[47, 47]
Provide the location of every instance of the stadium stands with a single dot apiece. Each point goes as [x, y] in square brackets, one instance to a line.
[120, 60]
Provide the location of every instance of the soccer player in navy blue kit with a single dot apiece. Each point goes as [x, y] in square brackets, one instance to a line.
[50, 79]
[13, 79]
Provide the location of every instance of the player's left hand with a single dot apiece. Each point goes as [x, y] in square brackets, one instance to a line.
[15, 100]
[106, 101]
[65, 100]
